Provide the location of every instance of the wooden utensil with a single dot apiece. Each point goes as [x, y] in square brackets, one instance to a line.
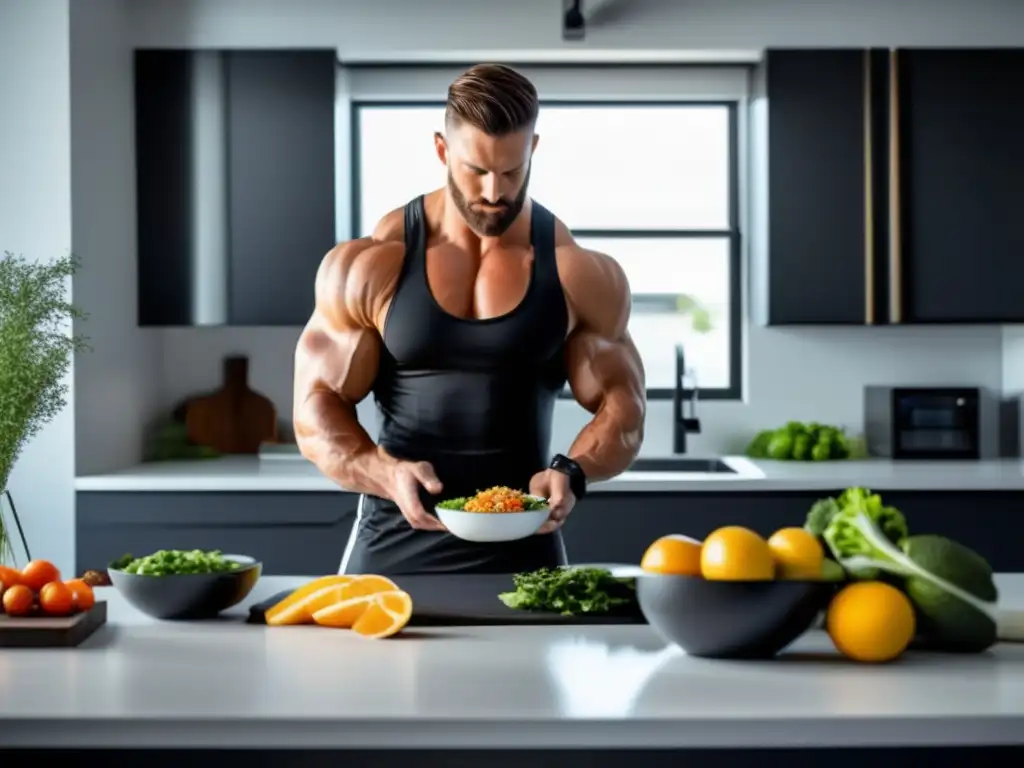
[234, 419]
[51, 631]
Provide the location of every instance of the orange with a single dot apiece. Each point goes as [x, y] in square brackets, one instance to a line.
[38, 573]
[299, 608]
[84, 597]
[382, 615]
[18, 600]
[56, 599]
[344, 613]
[735, 553]
[673, 554]
[871, 621]
[798, 554]
[284, 612]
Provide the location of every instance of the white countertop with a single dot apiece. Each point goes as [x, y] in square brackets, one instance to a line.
[222, 683]
[253, 474]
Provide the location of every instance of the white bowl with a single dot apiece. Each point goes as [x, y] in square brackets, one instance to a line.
[492, 526]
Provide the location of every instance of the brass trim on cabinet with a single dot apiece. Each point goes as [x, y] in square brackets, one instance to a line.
[895, 231]
[869, 197]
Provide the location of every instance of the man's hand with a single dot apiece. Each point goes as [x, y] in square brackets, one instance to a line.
[406, 479]
[553, 486]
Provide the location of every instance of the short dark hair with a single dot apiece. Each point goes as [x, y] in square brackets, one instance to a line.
[493, 98]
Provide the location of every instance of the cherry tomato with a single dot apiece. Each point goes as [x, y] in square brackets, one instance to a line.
[18, 600]
[56, 599]
[82, 595]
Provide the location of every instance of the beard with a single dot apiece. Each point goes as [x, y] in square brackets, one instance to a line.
[489, 223]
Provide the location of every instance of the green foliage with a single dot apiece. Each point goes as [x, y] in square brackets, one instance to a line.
[700, 316]
[36, 350]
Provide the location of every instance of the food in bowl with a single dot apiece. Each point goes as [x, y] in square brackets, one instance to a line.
[496, 500]
[497, 514]
[178, 562]
[184, 584]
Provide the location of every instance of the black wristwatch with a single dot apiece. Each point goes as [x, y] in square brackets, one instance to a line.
[577, 480]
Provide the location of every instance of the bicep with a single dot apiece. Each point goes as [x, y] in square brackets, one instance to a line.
[604, 366]
[342, 361]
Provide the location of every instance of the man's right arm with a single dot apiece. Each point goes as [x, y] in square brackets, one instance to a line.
[336, 362]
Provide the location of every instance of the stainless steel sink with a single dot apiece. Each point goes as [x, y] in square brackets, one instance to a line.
[682, 464]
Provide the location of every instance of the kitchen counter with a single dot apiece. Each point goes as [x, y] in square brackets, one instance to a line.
[240, 474]
[140, 683]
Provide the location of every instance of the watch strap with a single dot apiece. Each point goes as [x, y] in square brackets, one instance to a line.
[577, 478]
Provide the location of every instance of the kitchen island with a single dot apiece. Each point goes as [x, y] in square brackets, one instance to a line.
[139, 683]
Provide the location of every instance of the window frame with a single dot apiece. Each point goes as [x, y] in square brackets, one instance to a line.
[732, 233]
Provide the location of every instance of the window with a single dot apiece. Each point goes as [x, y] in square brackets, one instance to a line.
[652, 183]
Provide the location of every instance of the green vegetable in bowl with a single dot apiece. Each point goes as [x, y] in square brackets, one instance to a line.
[950, 585]
[177, 562]
[569, 591]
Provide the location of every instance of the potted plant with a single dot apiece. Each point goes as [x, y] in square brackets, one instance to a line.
[36, 348]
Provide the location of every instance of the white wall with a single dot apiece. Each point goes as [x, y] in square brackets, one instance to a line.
[35, 220]
[117, 383]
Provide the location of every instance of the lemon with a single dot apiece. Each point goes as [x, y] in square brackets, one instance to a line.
[871, 621]
[735, 553]
[673, 554]
[798, 554]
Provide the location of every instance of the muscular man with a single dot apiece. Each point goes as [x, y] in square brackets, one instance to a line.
[465, 313]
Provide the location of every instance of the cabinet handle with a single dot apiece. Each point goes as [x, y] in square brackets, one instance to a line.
[895, 209]
[869, 196]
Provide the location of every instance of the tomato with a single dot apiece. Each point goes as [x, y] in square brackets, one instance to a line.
[56, 599]
[37, 573]
[82, 595]
[18, 600]
[9, 577]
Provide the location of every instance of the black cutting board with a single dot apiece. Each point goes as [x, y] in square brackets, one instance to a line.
[441, 600]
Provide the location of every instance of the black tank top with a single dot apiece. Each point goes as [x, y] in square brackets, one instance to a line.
[473, 397]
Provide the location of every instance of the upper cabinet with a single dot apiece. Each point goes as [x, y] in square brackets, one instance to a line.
[893, 181]
[235, 158]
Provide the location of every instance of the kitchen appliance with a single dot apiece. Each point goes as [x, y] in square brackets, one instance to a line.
[931, 422]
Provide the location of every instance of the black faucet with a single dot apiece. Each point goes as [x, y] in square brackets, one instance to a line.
[683, 424]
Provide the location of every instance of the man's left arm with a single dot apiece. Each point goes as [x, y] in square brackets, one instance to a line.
[606, 376]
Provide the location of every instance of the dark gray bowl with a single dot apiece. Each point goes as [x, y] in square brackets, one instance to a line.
[191, 596]
[731, 619]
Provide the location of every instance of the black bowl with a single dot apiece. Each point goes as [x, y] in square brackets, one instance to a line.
[188, 596]
[730, 619]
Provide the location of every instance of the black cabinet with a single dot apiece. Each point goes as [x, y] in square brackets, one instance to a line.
[235, 165]
[304, 534]
[893, 178]
[959, 122]
[817, 213]
[292, 534]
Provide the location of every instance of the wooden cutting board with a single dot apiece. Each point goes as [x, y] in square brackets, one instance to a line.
[51, 631]
[234, 419]
[450, 600]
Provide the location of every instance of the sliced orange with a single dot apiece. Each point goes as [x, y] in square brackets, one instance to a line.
[299, 607]
[285, 612]
[367, 584]
[376, 616]
[344, 613]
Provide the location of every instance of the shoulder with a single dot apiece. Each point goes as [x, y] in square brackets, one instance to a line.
[595, 285]
[355, 277]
